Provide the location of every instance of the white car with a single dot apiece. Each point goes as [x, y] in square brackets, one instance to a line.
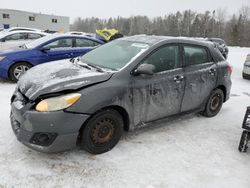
[246, 69]
[20, 29]
[18, 38]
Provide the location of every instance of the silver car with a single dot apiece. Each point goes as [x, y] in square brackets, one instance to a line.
[246, 69]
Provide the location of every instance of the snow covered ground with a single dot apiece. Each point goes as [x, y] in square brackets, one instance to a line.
[192, 151]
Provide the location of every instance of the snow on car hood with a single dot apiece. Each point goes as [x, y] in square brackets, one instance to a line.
[57, 76]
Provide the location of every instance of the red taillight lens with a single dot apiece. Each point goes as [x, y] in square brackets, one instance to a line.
[229, 69]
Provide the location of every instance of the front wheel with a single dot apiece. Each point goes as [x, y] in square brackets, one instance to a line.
[102, 132]
[18, 69]
[214, 103]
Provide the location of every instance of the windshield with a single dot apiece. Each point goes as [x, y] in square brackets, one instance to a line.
[39, 41]
[114, 55]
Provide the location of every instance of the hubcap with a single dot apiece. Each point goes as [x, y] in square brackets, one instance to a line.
[215, 102]
[103, 131]
[20, 70]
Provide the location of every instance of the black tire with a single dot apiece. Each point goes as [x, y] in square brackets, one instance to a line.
[22, 67]
[245, 137]
[102, 132]
[214, 103]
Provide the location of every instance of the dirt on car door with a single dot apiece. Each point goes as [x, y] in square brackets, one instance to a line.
[200, 77]
[161, 94]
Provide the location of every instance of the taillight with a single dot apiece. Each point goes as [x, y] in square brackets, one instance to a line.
[229, 69]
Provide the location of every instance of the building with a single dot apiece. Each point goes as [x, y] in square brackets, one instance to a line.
[16, 18]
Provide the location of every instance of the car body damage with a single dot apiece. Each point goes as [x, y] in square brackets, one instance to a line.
[150, 78]
[63, 76]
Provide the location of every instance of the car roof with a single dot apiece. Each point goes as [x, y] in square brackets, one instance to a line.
[59, 35]
[154, 39]
[4, 34]
[55, 36]
[21, 28]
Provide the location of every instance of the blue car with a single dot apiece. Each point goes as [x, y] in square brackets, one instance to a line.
[15, 62]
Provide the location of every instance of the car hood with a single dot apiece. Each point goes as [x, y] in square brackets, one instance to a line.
[58, 76]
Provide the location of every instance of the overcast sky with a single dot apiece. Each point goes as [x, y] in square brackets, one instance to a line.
[125, 8]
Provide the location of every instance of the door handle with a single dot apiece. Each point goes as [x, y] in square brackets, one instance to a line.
[178, 78]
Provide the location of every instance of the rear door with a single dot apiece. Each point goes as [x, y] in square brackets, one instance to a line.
[161, 94]
[200, 73]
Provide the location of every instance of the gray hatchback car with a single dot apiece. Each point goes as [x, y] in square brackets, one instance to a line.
[122, 85]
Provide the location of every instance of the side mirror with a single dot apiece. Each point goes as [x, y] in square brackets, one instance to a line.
[3, 40]
[146, 69]
[45, 49]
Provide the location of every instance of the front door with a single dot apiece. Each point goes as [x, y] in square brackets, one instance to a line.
[161, 94]
[200, 74]
[13, 40]
[57, 50]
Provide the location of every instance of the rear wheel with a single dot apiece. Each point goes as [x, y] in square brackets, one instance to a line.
[102, 132]
[214, 103]
[18, 69]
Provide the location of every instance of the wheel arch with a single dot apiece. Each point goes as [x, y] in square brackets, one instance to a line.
[117, 108]
[224, 89]
[13, 64]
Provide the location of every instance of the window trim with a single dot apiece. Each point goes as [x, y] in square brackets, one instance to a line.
[180, 63]
[209, 56]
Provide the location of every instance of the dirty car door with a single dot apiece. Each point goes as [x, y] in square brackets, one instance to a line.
[161, 94]
[200, 74]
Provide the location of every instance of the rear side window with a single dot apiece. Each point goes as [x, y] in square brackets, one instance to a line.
[61, 43]
[85, 43]
[33, 36]
[195, 55]
[165, 58]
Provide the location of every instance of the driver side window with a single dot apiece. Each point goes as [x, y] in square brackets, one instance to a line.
[15, 37]
[165, 58]
[60, 43]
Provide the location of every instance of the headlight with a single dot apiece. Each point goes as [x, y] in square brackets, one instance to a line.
[57, 103]
[2, 58]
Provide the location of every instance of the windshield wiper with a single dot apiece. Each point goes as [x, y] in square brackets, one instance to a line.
[99, 69]
[88, 66]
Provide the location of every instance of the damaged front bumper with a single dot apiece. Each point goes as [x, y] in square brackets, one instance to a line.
[45, 131]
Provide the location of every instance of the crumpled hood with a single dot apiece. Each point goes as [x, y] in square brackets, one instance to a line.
[57, 76]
